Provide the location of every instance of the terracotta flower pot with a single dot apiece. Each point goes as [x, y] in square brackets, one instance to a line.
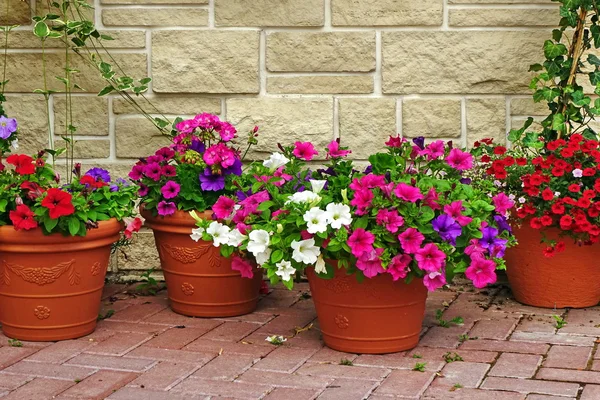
[377, 316]
[51, 286]
[200, 282]
[569, 279]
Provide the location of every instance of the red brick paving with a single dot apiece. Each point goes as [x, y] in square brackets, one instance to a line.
[144, 351]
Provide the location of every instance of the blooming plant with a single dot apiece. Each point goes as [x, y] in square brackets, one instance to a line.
[200, 165]
[31, 197]
[410, 214]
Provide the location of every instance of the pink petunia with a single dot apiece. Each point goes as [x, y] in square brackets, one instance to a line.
[408, 192]
[431, 199]
[153, 171]
[361, 241]
[481, 271]
[186, 126]
[391, 220]
[242, 266]
[334, 151]
[502, 203]
[166, 208]
[399, 266]
[435, 149]
[136, 172]
[170, 189]
[227, 131]
[459, 159]
[430, 258]
[223, 207]
[411, 240]
[474, 249]
[455, 210]
[219, 154]
[362, 200]
[370, 263]
[369, 181]
[305, 150]
[434, 280]
[394, 141]
[169, 170]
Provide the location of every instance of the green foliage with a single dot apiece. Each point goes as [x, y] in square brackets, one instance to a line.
[345, 361]
[420, 367]
[149, 285]
[447, 324]
[15, 343]
[451, 357]
[560, 321]
[108, 314]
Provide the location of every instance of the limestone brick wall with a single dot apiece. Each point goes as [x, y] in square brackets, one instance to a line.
[314, 70]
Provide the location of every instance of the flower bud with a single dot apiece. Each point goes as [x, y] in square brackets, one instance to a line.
[279, 228]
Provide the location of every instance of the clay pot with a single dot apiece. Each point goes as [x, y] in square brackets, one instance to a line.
[569, 279]
[200, 282]
[376, 316]
[51, 286]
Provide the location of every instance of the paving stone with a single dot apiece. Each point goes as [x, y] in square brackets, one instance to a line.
[129, 393]
[282, 393]
[531, 386]
[537, 323]
[547, 397]
[181, 356]
[111, 362]
[333, 356]
[99, 385]
[511, 365]
[403, 383]
[120, 344]
[590, 392]
[397, 362]
[283, 379]
[284, 359]
[541, 337]
[347, 389]
[138, 313]
[505, 346]
[11, 382]
[176, 338]
[429, 353]
[10, 355]
[444, 337]
[467, 374]
[567, 375]
[498, 329]
[225, 367]
[231, 331]
[197, 386]
[164, 375]
[131, 327]
[168, 317]
[571, 357]
[443, 393]
[60, 352]
[343, 371]
[216, 346]
[40, 389]
[46, 370]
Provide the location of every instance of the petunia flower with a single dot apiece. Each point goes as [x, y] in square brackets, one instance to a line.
[408, 192]
[459, 159]
[58, 203]
[370, 263]
[23, 218]
[338, 214]
[210, 182]
[153, 171]
[411, 240]
[170, 189]
[481, 271]
[334, 150]
[305, 251]
[305, 150]
[196, 234]
[218, 232]
[259, 241]
[223, 207]
[285, 270]
[99, 174]
[502, 203]
[447, 228]
[430, 258]
[362, 200]
[23, 164]
[275, 161]
[434, 280]
[399, 266]
[7, 127]
[361, 241]
[316, 220]
[455, 210]
[391, 220]
[166, 208]
[242, 266]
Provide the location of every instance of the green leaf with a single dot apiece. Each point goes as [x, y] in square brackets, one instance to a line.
[276, 256]
[3, 204]
[41, 30]
[553, 50]
[558, 122]
[50, 223]
[73, 226]
[593, 59]
[106, 90]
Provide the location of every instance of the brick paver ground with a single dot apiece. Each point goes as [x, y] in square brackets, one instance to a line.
[502, 351]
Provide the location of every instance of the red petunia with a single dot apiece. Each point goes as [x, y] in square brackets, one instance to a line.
[485, 158]
[567, 152]
[589, 171]
[23, 164]
[91, 181]
[499, 150]
[547, 194]
[535, 223]
[560, 247]
[566, 221]
[23, 218]
[574, 188]
[549, 252]
[558, 208]
[58, 203]
[34, 190]
[546, 220]
[521, 161]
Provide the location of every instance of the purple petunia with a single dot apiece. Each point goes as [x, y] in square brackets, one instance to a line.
[419, 142]
[492, 242]
[166, 208]
[502, 223]
[210, 182]
[99, 173]
[235, 169]
[447, 228]
[7, 127]
[197, 146]
[170, 189]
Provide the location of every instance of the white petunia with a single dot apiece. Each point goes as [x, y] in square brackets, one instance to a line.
[275, 161]
[285, 270]
[197, 234]
[577, 173]
[317, 185]
[219, 233]
[15, 144]
[316, 220]
[320, 265]
[305, 251]
[338, 214]
[236, 238]
[303, 197]
[259, 241]
[263, 257]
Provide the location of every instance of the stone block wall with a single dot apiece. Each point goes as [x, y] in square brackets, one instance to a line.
[359, 70]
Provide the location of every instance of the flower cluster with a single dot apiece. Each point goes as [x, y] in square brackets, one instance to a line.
[8, 134]
[191, 173]
[410, 214]
[31, 197]
[557, 185]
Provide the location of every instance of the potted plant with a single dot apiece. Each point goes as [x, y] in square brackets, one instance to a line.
[553, 172]
[55, 242]
[191, 174]
[371, 243]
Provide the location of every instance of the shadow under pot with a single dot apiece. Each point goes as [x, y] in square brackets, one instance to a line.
[51, 285]
[570, 278]
[376, 316]
[200, 282]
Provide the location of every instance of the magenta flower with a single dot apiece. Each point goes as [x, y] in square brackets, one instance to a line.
[166, 153]
[136, 172]
[474, 249]
[186, 126]
[362, 200]
[481, 271]
[224, 207]
[411, 240]
[305, 150]
[361, 241]
[153, 171]
[430, 258]
[370, 263]
[242, 266]
[434, 280]
[431, 199]
[334, 151]
[391, 220]
[169, 170]
[434, 150]
[207, 121]
[219, 154]
[455, 210]
[143, 190]
[398, 266]
[502, 203]
[227, 131]
[251, 203]
[459, 159]
[369, 181]
[166, 208]
[408, 192]
[170, 189]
